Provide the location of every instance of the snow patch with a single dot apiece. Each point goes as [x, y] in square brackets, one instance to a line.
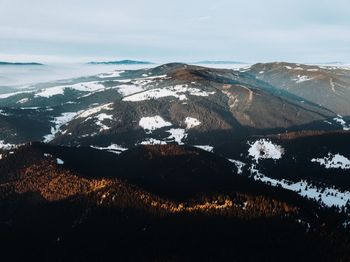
[333, 161]
[6, 146]
[178, 91]
[59, 161]
[59, 122]
[339, 119]
[328, 196]
[152, 141]
[191, 122]
[301, 79]
[177, 135]
[100, 118]
[94, 110]
[206, 148]
[152, 123]
[113, 148]
[239, 165]
[265, 149]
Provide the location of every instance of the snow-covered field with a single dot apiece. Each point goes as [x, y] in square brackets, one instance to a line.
[265, 149]
[333, 161]
[177, 91]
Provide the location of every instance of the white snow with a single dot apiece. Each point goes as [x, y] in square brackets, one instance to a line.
[178, 91]
[22, 101]
[113, 148]
[127, 90]
[301, 79]
[239, 165]
[6, 146]
[3, 96]
[152, 141]
[52, 91]
[328, 196]
[265, 149]
[95, 110]
[59, 122]
[191, 122]
[288, 67]
[205, 147]
[2, 112]
[100, 118]
[177, 135]
[339, 119]
[59, 90]
[152, 123]
[333, 161]
[59, 161]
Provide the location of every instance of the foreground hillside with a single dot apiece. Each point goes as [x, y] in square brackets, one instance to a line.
[177, 203]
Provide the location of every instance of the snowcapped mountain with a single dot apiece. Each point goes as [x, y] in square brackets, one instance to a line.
[265, 145]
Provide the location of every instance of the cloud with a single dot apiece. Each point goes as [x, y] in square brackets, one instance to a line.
[177, 30]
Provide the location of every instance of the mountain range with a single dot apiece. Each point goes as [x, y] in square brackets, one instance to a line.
[179, 162]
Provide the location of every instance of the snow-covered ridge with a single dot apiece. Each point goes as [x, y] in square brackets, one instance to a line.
[178, 91]
[265, 149]
[333, 161]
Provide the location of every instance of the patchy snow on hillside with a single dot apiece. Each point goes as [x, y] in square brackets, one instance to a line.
[333, 161]
[100, 118]
[239, 165]
[301, 79]
[113, 148]
[339, 119]
[22, 101]
[152, 141]
[152, 123]
[328, 196]
[95, 110]
[177, 135]
[178, 91]
[6, 146]
[2, 112]
[127, 90]
[205, 147]
[59, 122]
[3, 96]
[265, 149]
[59, 161]
[59, 90]
[191, 122]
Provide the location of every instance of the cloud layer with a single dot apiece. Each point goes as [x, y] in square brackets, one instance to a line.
[252, 30]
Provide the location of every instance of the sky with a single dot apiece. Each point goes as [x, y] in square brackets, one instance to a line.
[183, 30]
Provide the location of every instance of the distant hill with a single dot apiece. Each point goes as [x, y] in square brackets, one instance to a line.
[122, 62]
[219, 62]
[20, 64]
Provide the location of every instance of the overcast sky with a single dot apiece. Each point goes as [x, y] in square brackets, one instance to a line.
[177, 30]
